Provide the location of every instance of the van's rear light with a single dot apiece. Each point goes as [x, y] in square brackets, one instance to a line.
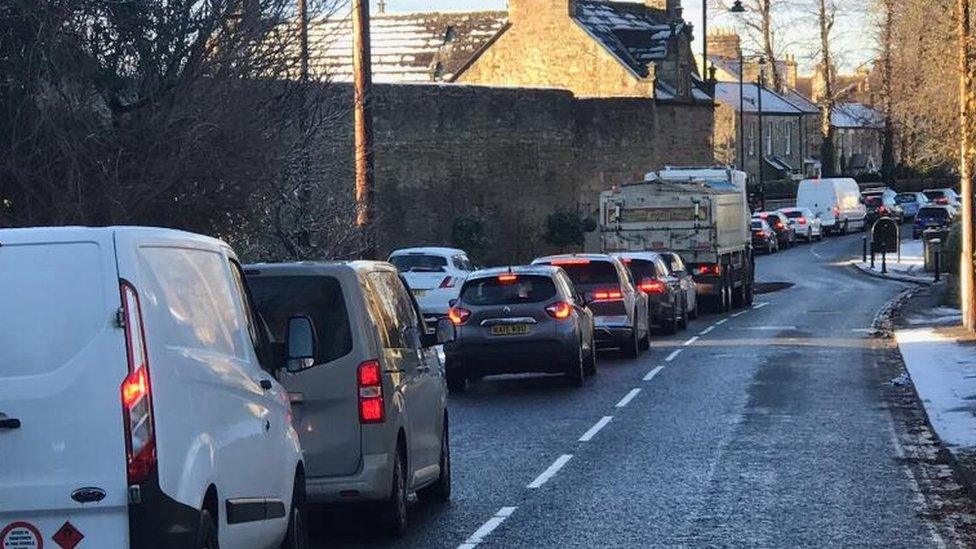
[458, 315]
[136, 392]
[560, 310]
[570, 261]
[448, 282]
[709, 270]
[652, 287]
[370, 383]
[608, 295]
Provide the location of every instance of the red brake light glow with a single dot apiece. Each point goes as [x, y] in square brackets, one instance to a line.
[507, 278]
[458, 315]
[801, 220]
[570, 261]
[135, 388]
[370, 381]
[652, 287]
[560, 310]
[448, 282]
[706, 270]
[608, 295]
[136, 392]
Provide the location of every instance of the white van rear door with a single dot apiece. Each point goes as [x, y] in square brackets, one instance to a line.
[62, 362]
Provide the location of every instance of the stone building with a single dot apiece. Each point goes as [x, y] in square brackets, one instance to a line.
[858, 140]
[595, 49]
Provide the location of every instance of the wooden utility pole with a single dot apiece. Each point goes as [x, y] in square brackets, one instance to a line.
[967, 103]
[363, 120]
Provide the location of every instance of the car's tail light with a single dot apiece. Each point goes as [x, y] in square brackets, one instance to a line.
[370, 381]
[836, 211]
[652, 287]
[507, 278]
[882, 210]
[570, 261]
[448, 282]
[801, 220]
[608, 295]
[943, 201]
[560, 310]
[778, 225]
[458, 315]
[709, 270]
[136, 392]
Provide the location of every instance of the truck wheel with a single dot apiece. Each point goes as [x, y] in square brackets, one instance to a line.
[738, 297]
[750, 294]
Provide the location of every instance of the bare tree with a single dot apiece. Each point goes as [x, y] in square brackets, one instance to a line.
[887, 37]
[826, 18]
[764, 21]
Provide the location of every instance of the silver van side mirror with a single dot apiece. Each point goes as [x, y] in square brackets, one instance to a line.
[300, 344]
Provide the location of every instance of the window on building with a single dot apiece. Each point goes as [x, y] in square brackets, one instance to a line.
[769, 138]
[752, 139]
[788, 142]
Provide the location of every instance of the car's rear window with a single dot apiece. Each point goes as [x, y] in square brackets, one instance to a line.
[937, 213]
[53, 304]
[793, 214]
[873, 200]
[419, 263]
[906, 198]
[932, 195]
[278, 298]
[586, 275]
[503, 291]
[642, 268]
[757, 225]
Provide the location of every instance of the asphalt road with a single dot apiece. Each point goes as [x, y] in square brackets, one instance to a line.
[763, 428]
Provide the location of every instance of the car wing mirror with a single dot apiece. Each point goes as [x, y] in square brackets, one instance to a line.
[443, 332]
[452, 302]
[300, 344]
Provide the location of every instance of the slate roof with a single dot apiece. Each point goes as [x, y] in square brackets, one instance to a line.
[634, 33]
[409, 47]
[856, 115]
[773, 103]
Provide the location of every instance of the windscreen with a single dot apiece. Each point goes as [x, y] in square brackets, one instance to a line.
[933, 213]
[419, 263]
[503, 291]
[873, 200]
[279, 298]
[53, 302]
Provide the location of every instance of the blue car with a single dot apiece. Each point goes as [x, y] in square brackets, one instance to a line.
[932, 217]
[911, 202]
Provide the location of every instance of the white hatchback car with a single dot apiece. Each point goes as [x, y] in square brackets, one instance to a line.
[805, 223]
[435, 277]
[138, 407]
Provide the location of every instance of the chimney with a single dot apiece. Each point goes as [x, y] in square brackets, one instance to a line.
[534, 12]
[724, 44]
[673, 7]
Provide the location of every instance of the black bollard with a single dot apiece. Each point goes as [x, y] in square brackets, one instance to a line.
[938, 267]
[864, 249]
[884, 262]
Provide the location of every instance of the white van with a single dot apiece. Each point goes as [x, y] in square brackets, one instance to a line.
[138, 407]
[836, 202]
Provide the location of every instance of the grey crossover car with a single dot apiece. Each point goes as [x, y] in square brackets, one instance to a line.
[520, 320]
[665, 296]
[610, 290]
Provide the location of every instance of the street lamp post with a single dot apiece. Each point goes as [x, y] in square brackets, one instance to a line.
[737, 9]
[762, 144]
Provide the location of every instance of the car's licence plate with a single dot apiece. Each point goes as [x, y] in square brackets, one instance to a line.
[509, 329]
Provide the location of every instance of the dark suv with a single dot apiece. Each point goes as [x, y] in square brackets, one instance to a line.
[518, 320]
[785, 235]
[882, 203]
[665, 296]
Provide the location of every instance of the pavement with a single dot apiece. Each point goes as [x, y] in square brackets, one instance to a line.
[910, 267]
[773, 426]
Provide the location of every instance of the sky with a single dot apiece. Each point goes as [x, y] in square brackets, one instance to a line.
[854, 45]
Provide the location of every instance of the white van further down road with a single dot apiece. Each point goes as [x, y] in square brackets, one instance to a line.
[137, 402]
[835, 202]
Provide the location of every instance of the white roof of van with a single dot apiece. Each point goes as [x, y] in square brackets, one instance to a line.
[45, 233]
[433, 250]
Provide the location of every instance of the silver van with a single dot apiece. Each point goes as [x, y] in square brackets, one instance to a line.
[368, 388]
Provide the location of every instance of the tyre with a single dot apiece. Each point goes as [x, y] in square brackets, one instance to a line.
[683, 320]
[297, 535]
[574, 370]
[590, 369]
[457, 382]
[738, 297]
[645, 342]
[207, 531]
[440, 491]
[395, 509]
[694, 312]
[630, 348]
[750, 294]
[670, 325]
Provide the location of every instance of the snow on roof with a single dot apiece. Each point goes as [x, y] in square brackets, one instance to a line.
[727, 93]
[635, 34]
[411, 47]
[856, 115]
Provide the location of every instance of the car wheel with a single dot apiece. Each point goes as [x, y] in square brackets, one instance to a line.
[457, 382]
[207, 531]
[631, 347]
[440, 491]
[395, 513]
[297, 535]
[574, 370]
[683, 319]
[750, 294]
[591, 362]
[694, 312]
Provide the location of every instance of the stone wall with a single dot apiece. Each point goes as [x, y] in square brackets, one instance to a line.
[509, 157]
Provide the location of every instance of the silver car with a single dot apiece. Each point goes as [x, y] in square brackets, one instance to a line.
[518, 320]
[370, 403]
[609, 287]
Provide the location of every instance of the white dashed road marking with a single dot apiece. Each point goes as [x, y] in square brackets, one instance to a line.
[673, 355]
[587, 436]
[706, 331]
[487, 528]
[628, 397]
[551, 471]
[720, 322]
[650, 375]
[740, 313]
[760, 305]
[690, 341]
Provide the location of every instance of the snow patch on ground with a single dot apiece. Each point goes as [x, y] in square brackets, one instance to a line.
[942, 363]
[910, 268]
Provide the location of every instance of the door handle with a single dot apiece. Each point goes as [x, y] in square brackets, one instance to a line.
[266, 384]
[9, 423]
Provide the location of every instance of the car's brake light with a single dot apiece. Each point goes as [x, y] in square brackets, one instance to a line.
[652, 287]
[458, 315]
[836, 211]
[882, 210]
[801, 220]
[559, 310]
[370, 383]
[507, 278]
[136, 392]
[778, 225]
[706, 270]
[570, 261]
[448, 282]
[943, 201]
[608, 295]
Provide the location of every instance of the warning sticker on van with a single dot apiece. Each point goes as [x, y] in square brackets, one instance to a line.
[21, 535]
